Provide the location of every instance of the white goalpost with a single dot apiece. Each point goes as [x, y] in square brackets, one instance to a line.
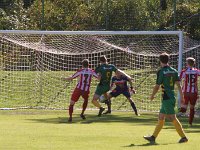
[32, 63]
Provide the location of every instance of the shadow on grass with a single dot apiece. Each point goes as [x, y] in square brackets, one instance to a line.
[147, 144]
[188, 129]
[147, 119]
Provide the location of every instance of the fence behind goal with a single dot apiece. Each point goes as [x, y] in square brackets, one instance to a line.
[32, 64]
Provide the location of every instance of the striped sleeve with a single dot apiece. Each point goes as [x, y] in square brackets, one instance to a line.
[182, 75]
[76, 74]
[94, 74]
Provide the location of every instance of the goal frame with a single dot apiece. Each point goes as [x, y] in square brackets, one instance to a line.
[178, 33]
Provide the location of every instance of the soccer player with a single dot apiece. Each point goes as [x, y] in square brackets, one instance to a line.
[105, 72]
[190, 88]
[167, 77]
[82, 88]
[120, 82]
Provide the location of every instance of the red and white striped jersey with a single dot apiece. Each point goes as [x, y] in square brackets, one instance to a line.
[190, 76]
[85, 77]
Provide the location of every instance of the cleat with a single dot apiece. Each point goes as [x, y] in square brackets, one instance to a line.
[100, 111]
[183, 140]
[70, 120]
[137, 114]
[107, 112]
[82, 116]
[151, 139]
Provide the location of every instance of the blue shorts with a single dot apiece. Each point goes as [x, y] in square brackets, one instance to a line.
[117, 92]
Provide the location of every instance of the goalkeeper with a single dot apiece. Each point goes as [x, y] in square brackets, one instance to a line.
[105, 72]
[120, 82]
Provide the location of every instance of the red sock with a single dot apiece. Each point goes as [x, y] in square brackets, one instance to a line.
[84, 106]
[71, 108]
[191, 115]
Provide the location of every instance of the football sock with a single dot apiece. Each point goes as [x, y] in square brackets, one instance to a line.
[71, 108]
[178, 127]
[108, 103]
[191, 115]
[134, 107]
[158, 127]
[85, 103]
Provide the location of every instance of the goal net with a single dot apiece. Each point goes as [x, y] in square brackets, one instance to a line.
[32, 64]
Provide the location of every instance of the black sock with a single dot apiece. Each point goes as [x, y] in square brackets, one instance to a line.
[134, 107]
[108, 103]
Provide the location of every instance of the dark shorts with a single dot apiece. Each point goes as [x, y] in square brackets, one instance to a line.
[117, 92]
[102, 89]
[168, 106]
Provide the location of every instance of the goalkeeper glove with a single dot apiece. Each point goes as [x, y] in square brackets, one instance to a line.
[133, 90]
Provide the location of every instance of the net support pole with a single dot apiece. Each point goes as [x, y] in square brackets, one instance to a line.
[180, 60]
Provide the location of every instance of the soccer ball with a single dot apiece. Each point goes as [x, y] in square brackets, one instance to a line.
[102, 99]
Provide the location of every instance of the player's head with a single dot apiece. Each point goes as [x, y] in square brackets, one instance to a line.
[164, 58]
[85, 63]
[103, 59]
[190, 61]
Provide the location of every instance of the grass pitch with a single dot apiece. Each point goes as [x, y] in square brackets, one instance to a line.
[48, 129]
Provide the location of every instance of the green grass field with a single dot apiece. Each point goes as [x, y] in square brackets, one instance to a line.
[48, 129]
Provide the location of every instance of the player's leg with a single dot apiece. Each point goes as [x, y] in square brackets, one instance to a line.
[71, 109]
[108, 103]
[85, 96]
[178, 127]
[193, 99]
[101, 89]
[74, 98]
[184, 106]
[127, 94]
[114, 93]
[169, 106]
[159, 126]
[96, 103]
[133, 105]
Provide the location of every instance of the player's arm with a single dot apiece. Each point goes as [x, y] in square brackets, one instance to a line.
[122, 73]
[72, 77]
[155, 90]
[96, 75]
[131, 85]
[119, 72]
[112, 84]
[159, 81]
[182, 74]
[68, 79]
[180, 91]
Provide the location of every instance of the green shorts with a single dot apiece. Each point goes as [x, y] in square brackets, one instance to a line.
[168, 106]
[101, 89]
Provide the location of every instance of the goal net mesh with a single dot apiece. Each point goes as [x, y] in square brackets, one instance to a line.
[32, 66]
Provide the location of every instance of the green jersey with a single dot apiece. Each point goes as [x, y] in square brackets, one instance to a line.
[106, 73]
[166, 77]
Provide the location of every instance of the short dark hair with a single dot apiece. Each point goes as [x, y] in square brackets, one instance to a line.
[85, 63]
[164, 58]
[190, 61]
[103, 59]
